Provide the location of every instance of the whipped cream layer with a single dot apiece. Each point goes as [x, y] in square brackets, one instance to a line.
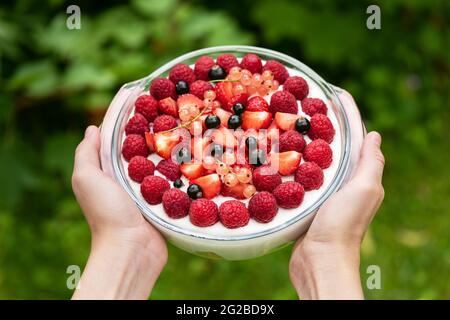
[283, 215]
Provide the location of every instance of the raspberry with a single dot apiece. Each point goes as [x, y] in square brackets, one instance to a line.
[137, 125]
[263, 207]
[176, 203]
[170, 169]
[147, 106]
[181, 72]
[140, 167]
[257, 103]
[203, 213]
[202, 67]
[168, 106]
[163, 123]
[311, 106]
[266, 178]
[199, 87]
[292, 141]
[233, 214]
[289, 194]
[321, 128]
[134, 145]
[162, 88]
[279, 71]
[309, 175]
[319, 151]
[227, 61]
[153, 188]
[283, 101]
[252, 63]
[297, 86]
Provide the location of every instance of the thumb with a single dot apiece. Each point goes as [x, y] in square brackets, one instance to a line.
[371, 162]
[87, 152]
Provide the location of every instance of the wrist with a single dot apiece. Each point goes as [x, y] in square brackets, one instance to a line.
[326, 271]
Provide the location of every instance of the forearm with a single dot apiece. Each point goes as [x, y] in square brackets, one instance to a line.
[117, 271]
[331, 273]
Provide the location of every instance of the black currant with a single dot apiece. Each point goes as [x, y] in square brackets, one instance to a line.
[302, 125]
[217, 73]
[182, 87]
[178, 183]
[238, 108]
[234, 121]
[194, 191]
[212, 121]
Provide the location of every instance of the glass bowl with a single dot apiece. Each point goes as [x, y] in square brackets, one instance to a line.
[241, 246]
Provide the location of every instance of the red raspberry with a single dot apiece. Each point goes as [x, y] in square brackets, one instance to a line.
[203, 213]
[279, 71]
[134, 145]
[309, 175]
[163, 123]
[263, 207]
[319, 151]
[181, 72]
[198, 88]
[162, 88]
[140, 167]
[202, 66]
[257, 103]
[252, 63]
[283, 101]
[321, 128]
[292, 141]
[170, 169]
[147, 106]
[168, 106]
[153, 188]
[233, 214]
[266, 178]
[289, 194]
[311, 106]
[227, 61]
[297, 86]
[137, 125]
[176, 203]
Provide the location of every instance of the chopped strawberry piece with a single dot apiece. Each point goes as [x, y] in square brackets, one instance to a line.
[286, 121]
[224, 94]
[257, 103]
[286, 162]
[210, 184]
[168, 106]
[224, 137]
[150, 141]
[236, 192]
[187, 100]
[164, 142]
[239, 98]
[192, 170]
[256, 120]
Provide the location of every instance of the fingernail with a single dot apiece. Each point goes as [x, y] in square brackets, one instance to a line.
[89, 131]
[375, 137]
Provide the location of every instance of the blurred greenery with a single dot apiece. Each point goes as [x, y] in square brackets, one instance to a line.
[55, 81]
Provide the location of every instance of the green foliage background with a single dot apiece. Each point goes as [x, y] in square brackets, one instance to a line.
[54, 82]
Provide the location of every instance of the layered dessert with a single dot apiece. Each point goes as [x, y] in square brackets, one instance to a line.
[231, 146]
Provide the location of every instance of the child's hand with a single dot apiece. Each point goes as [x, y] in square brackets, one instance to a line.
[127, 253]
[325, 261]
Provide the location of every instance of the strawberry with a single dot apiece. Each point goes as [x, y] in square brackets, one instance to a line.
[286, 121]
[257, 103]
[223, 116]
[224, 137]
[236, 192]
[256, 120]
[286, 162]
[239, 98]
[273, 133]
[192, 170]
[164, 142]
[168, 106]
[150, 141]
[187, 100]
[210, 184]
[224, 94]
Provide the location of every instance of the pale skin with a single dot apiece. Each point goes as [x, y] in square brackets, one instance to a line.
[128, 254]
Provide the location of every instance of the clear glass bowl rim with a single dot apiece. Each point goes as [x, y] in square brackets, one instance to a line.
[341, 172]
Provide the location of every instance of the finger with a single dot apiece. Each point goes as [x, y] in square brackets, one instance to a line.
[371, 162]
[87, 153]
